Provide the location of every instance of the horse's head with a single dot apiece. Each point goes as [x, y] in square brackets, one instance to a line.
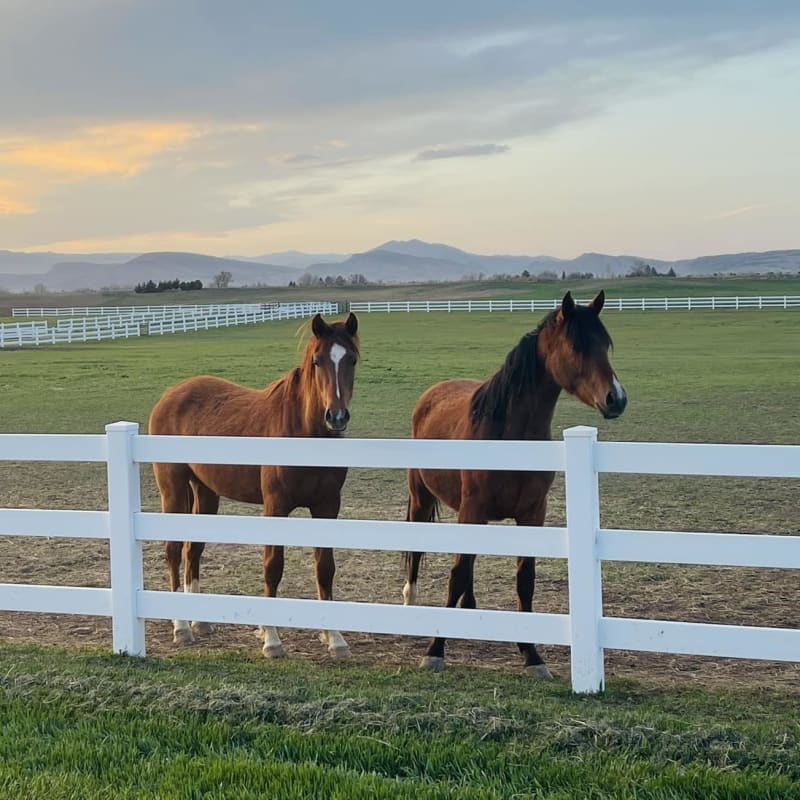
[576, 355]
[333, 354]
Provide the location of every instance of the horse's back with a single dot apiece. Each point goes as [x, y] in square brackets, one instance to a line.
[203, 405]
[442, 411]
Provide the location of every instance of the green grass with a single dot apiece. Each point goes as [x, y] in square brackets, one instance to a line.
[697, 377]
[87, 725]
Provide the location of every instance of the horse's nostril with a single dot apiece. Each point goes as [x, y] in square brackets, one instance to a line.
[328, 415]
[611, 399]
[346, 415]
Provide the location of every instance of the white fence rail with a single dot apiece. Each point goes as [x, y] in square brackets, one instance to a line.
[583, 542]
[150, 320]
[112, 311]
[615, 304]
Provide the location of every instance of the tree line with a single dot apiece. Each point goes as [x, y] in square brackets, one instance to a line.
[149, 287]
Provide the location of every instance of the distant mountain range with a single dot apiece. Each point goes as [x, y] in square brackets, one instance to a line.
[392, 262]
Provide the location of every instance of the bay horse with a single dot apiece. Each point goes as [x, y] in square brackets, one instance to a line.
[310, 400]
[568, 350]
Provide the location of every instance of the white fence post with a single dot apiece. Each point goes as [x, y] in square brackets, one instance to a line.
[127, 578]
[585, 578]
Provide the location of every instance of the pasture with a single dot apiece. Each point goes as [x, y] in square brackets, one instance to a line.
[718, 376]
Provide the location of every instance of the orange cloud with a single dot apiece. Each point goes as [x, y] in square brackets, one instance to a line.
[12, 205]
[120, 149]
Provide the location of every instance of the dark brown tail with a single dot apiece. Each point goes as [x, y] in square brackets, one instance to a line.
[413, 558]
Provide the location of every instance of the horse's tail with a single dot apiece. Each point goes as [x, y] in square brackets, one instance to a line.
[413, 558]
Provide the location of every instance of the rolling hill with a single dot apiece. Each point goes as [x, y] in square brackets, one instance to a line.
[392, 262]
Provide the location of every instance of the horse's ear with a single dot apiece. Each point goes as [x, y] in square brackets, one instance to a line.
[597, 304]
[567, 306]
[351, 324]
[319, 327]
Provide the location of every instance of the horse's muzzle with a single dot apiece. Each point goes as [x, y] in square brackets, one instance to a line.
[337, 420]
[615, 402]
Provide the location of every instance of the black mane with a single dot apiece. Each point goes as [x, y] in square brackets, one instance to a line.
[492, 399]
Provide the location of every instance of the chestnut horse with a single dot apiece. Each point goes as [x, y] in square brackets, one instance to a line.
[310, 400]
[568, 350]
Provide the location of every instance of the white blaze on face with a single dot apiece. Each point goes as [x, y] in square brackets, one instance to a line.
[618, 388]
[337, 354]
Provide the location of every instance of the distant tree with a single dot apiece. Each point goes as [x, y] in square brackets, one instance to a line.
[640, 269]
[670, 273]
[292, 284]
[222, 280]
[306, 279]
[339, 280]
[525, 274]
[548, 275]
[563, 275]
[580, 276]
[358, 279]
[40, 288]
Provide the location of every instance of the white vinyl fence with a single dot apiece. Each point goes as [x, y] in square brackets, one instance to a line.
[583, 542]
[614, 304]
[151, 320]
[178, 309]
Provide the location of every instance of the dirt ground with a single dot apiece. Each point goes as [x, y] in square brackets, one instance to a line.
[698, 594]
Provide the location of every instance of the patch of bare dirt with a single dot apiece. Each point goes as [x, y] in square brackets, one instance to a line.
[698, 594]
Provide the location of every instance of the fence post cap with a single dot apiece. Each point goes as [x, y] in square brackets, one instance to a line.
[581, 431]
[122, 426]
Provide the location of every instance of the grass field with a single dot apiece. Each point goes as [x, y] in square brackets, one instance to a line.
[95, 726]
[668, 727]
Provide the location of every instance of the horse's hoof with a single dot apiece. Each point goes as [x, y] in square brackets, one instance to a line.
[202, 628]
[273, 651]
[432, 663]
[182, 636]
[539, 671]
[340, 652]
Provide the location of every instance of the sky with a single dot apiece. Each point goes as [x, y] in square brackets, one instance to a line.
[666, 130]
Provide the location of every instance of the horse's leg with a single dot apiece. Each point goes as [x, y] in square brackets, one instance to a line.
[173, 486]
[526, 581]
[205, 502]
[273, 572]
[324, 570]
[459, 587]
[421, 508]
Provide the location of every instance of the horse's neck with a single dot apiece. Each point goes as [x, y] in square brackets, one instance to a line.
[300, 409]
[531, 413]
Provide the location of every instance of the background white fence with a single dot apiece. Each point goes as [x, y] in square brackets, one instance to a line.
[615, 304]
[167, 309]
[583, 542]
[151, 320]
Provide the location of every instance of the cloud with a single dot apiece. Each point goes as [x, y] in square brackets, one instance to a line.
[295, 158]
[735, 212]
[122, 149]
[462, 151]
[10, 204]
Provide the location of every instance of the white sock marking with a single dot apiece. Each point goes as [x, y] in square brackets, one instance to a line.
[334, 639]
[409, 594]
